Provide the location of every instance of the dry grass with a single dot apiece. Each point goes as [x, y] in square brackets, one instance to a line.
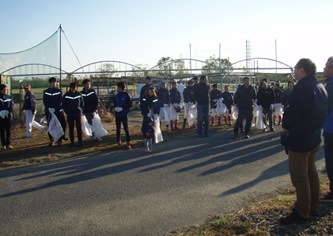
[263, 217]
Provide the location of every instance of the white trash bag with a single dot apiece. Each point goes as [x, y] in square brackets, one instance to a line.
[192, 114]
[221, 108]
[97, 127]
[260, 123]
[158, 133]
[85, 126]
[234, 113]
[55, 128]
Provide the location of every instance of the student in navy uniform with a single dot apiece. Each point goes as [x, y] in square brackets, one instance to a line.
[73, 105]
[90, 103]
[52, 98]
[150, 105]
[175, 98]
[266, 98]
[201, 94]
[123, 103]
[6, 108]
[188, 100]
[228, 102]
[148, 134]
[214, 96]
[278, 101]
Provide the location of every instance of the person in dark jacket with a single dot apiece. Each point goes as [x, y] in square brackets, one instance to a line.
[228, 102]
[303, 120]
[244, 98]
[90, 103]
[201, 95]
[148, 134]
[29, 108]
[214, 96]
[73, 105]
[278, 104]
[52, 98]
[144, 89]
[266, 98]
[150, 105]
[328, 129]
[123, 104]
[6, 109]
[286, 94]
[164, 98]
[175, 99]
[189, 100]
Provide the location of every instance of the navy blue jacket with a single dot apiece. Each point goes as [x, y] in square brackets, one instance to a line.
[148, 129]
[6, 103]
[201, 94]
[174, 96]
[305, 115]
[29, 102]
[227, 99]
[188, 94]
[266, 97]
[123, 100]
[52, 98]
[244, 97]
[150, 103]
[163, 96]
[73, 104]
[90, 100]
[278, 95]
[328, 126]
[214, 94]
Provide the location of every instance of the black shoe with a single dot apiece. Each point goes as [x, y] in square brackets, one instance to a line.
[272, 130]
[293, 218]
[247, 136]
[80, 144]
[234, 137]
[265, 130]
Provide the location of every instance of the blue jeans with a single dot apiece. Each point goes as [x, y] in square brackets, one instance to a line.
[203, 112]
[328, 139]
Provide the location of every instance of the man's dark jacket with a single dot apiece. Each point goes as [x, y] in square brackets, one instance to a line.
[201, 94]
[90, 100]
[163, 96]
[174, 96]
[266, 97]
[305, 115]
[244, 97]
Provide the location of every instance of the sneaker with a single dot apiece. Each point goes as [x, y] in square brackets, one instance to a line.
[59, 143]
[99, 139]
[4, 148]
[293, 218]
[119, 145]
[272, 130]
[128, 146]
[247, 136]
[50, 143]
[328, 197]
[9, 147]
[265, 130]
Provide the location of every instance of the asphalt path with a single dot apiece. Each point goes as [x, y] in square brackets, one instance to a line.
[134, 193]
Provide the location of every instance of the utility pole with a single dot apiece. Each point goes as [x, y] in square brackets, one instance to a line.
[60, 30]
[191, 58]
[275, 57]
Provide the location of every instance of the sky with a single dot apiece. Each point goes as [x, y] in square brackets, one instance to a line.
[141, 32]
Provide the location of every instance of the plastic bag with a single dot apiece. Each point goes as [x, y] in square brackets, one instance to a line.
[260, 123]
[234, 113]
[97, 127]
[192, 114]
[85, 126]
[158, 133]
[278, 109]
[55, 129]
[221, 108]
[164, 112]
[173, 112]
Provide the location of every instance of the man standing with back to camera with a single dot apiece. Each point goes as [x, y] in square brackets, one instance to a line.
[303, 120]
[201, 94]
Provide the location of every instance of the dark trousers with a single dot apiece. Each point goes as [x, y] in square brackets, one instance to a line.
[203, 114]
[89, 117]
[244, 114]
[124, 120]
[328, 139]
[267, 112]
[5, 125]
[60, 116]
[77, 121]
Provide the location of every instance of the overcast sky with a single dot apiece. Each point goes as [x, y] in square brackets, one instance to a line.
[142, 31]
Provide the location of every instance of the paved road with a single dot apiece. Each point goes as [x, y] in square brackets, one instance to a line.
[133, 193]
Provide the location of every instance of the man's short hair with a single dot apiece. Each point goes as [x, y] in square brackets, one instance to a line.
[214, 85]
[121, 85]
[330, 62]
[72, 85]
[203, 77]
[195, 78]
[308, 66]
[52, 79]
[246, 78]
[2, 86]
[148, 78]
[190, 82]
[85, 81]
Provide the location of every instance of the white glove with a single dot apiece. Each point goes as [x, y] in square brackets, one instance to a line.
[51, 110]
[118, 109]
[155, 116]
[166, 105]
[149, 115]
[214, 100]
[272, 106]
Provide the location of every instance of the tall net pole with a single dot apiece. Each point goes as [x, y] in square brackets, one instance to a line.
[60, 32]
